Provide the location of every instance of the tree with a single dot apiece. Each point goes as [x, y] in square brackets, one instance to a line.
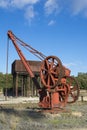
[82, 80]
[5, 82]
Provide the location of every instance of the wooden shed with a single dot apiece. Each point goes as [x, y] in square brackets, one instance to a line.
[22, 82]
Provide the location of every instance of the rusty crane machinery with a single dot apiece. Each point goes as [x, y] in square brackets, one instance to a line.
[59, 87]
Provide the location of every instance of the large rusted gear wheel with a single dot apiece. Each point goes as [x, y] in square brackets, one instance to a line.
[74, 89]
[51, 71]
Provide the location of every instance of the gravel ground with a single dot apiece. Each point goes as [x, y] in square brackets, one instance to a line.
[28, 116]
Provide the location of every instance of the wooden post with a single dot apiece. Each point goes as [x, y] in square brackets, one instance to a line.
[82, 99]
[22, 86]
[16, 85]
[28, 86]
[14, 77]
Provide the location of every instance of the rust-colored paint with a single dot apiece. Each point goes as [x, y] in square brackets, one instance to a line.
[58, 85]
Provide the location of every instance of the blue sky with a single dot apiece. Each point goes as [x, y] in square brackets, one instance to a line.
[53, 27]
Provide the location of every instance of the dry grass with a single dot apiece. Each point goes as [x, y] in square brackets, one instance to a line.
[27, 117]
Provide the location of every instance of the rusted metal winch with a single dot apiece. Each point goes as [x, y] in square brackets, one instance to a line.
[59, 87]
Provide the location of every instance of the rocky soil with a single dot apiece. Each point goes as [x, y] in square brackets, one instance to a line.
[28, 116]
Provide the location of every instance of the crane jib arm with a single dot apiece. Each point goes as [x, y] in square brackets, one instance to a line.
[23, 59]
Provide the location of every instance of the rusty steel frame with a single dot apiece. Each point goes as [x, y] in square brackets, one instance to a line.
[58, 85]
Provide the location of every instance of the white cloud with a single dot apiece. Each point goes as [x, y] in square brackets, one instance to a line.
[17, 3]
[26, 5]
[23, 3]
[30, 13]
[51, 6]
[79, 6]
[52, 22]
[4, 3]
